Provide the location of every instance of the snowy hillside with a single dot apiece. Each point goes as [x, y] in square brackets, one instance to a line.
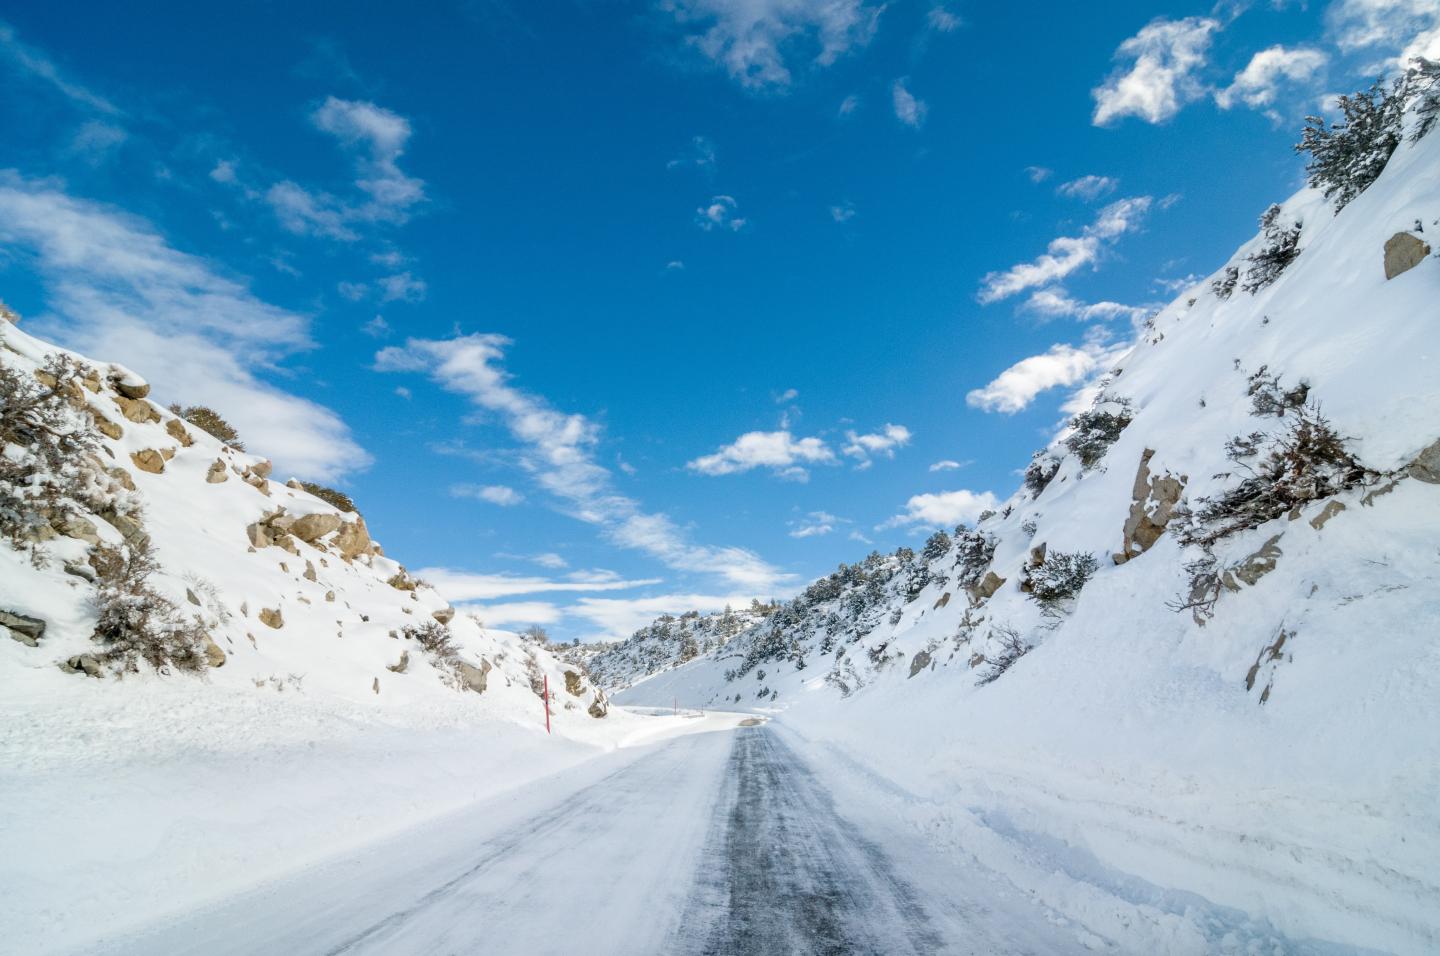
[668, 642]
[1184, 683]
[196, 654]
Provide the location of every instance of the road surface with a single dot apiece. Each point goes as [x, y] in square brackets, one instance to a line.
[714, 843]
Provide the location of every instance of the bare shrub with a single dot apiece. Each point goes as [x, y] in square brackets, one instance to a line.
[1282, 247]
[435, 640]
[1224, 287]
[1093, 431]
[1012, 648]
[332, 497]
[211, 422]
[1040, 472]
[136, 623]
[1060, 577]
[1268, 397]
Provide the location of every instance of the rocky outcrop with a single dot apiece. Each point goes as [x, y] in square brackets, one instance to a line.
[107, 428]
[148, 460]
[472, 677]
[1426, 466]
[87, 664]
[1152, 505]
[137, 410]
[214, 656]
[177, 431]
[1330, 510]
[217, 472]
[23, 628]
[919, 662]
[445, 615]
[271, 617]
[1403, 252]
[128, 384]
[1254, 566]
[352, 539]
[311, 528]
[574, 686]
[986, 589]
[401, 667]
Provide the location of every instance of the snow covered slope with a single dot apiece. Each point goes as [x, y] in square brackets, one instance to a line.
[1185, 684]
[668, 642]
[216, 676]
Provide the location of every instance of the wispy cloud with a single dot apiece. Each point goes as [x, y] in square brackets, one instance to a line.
[115, 288]
[948, 465]
[1160, 78]
[1055, 303]
[700, 156]
[1088, 188]
[558, 450]
[721, 212]
[502, 495]
[943, 508]
[814, 525]
[1066, 254]
[908, 109]
[1259, 83]
[882, 444]
[468, 586]
[35, 64]
[758, 41]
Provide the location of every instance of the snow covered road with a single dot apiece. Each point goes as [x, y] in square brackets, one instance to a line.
[719, 843]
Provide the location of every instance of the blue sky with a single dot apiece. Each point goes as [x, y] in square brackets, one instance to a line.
[604, 309]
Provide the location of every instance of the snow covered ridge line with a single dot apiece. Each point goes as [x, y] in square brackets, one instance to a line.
[135, 540]
[668, 642]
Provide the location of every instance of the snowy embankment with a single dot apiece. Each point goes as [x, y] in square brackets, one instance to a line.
[1261, 766]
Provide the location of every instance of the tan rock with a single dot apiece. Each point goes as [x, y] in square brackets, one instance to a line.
[1330, 510]
[309, 528]
[987, 587]
[1426, 466]
[445, 615]
[177, 431]
[106, 427]
[1254, 567]
[574, 685]
[122, 477]
[217, 472]
[1403, 252]
[599, 707]
[167, 453]
[401, 667]
[259, 535]
[137, 409]
[352, 539]
[261, 469]
[214, 656]
[130, 385]
[330, 596]
[919, 662]
[474, 678]
[271, 617]
[1153, 501]
[376, 686]
[309, 574]
[149, 460]
[77, 527]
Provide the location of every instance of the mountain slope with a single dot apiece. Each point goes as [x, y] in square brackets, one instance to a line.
[1184, 684]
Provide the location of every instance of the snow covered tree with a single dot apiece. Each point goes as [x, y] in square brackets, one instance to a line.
[1040, 472]
[1422, 83]
[1093, 431]
[1224, 287]
[1346, 157]
[1282, 247]
[1060, 577]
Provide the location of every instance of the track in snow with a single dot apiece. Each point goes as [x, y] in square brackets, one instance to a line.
[722, 844]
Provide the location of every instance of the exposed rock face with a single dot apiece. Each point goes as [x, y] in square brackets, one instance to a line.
[401, 667]
[987, 587]
[402, 581]
[599, 707]
[259, 534]
[1254, 567]
[352, 539]
[1153, 502]
[573, 684]
[22, 627]
[1426, 466]
[108, 428]
[129, 384]
[445, 615]
[261, 469]
[137, 409]
[149, 460]
[310, 528]
[130, 529]
[1403, 252]
[271, 617]
[919, 662]
[943, 600]
[217, 472]
[76, 526]
[214, 656]
[87, 664]
[1330, 510]
[474, 678]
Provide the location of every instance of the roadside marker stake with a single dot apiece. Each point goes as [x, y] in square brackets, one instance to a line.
[547, 703]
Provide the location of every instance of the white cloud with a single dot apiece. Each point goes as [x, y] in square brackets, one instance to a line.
[1065, 254]
[616, 618]
[815, 524]
[789, 395]
[514, 612]
[376, 328]
[1410, 27]
[224, 171]
[843, 212]
[675, 265]
[558, 450]
[1088, 188]
[402, 287]
[908, 109]
[779, 451]
[1257, 85]
[352, 291]
[468, 586]
[751, 40]
[719, 213]
[1038, 174]
[1057, 303]
[848, 105]
[116, 290]
[502, 495]
[34, 63]
[945, 508]
[1165, 56]
[549, 559]
[948, 465]
[865, 448]
[95, 140]
[375, 138]
[943, 20]
[1016, 387]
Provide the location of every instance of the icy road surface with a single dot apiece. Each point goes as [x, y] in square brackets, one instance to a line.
[724, 842]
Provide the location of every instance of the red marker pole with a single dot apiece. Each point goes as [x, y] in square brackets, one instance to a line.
[547, 703]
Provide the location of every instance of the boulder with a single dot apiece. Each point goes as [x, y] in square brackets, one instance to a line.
[137, 410]
[352, 539]
[1403, 252]
[401, 667]
[148, 460]
[122, 477]
[259, 534]
[445, 615]
[217, 472]
[474, 678]
[1152, 505]
[77, 527]
[108, 428]
[919, 662]
[1426, 466]
[1254, 567]
[401, 581]
[943, 600]
[1330, 510]
[987, 587]
[128, 384]
[599, 707]
[130, 528]
[271, 617]
[87, 664]
[574, 685]
[261, 469]
[81, 570]
[309, 574]
[310, 528]
[214, 656]
[177, 431]
[23, 628]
